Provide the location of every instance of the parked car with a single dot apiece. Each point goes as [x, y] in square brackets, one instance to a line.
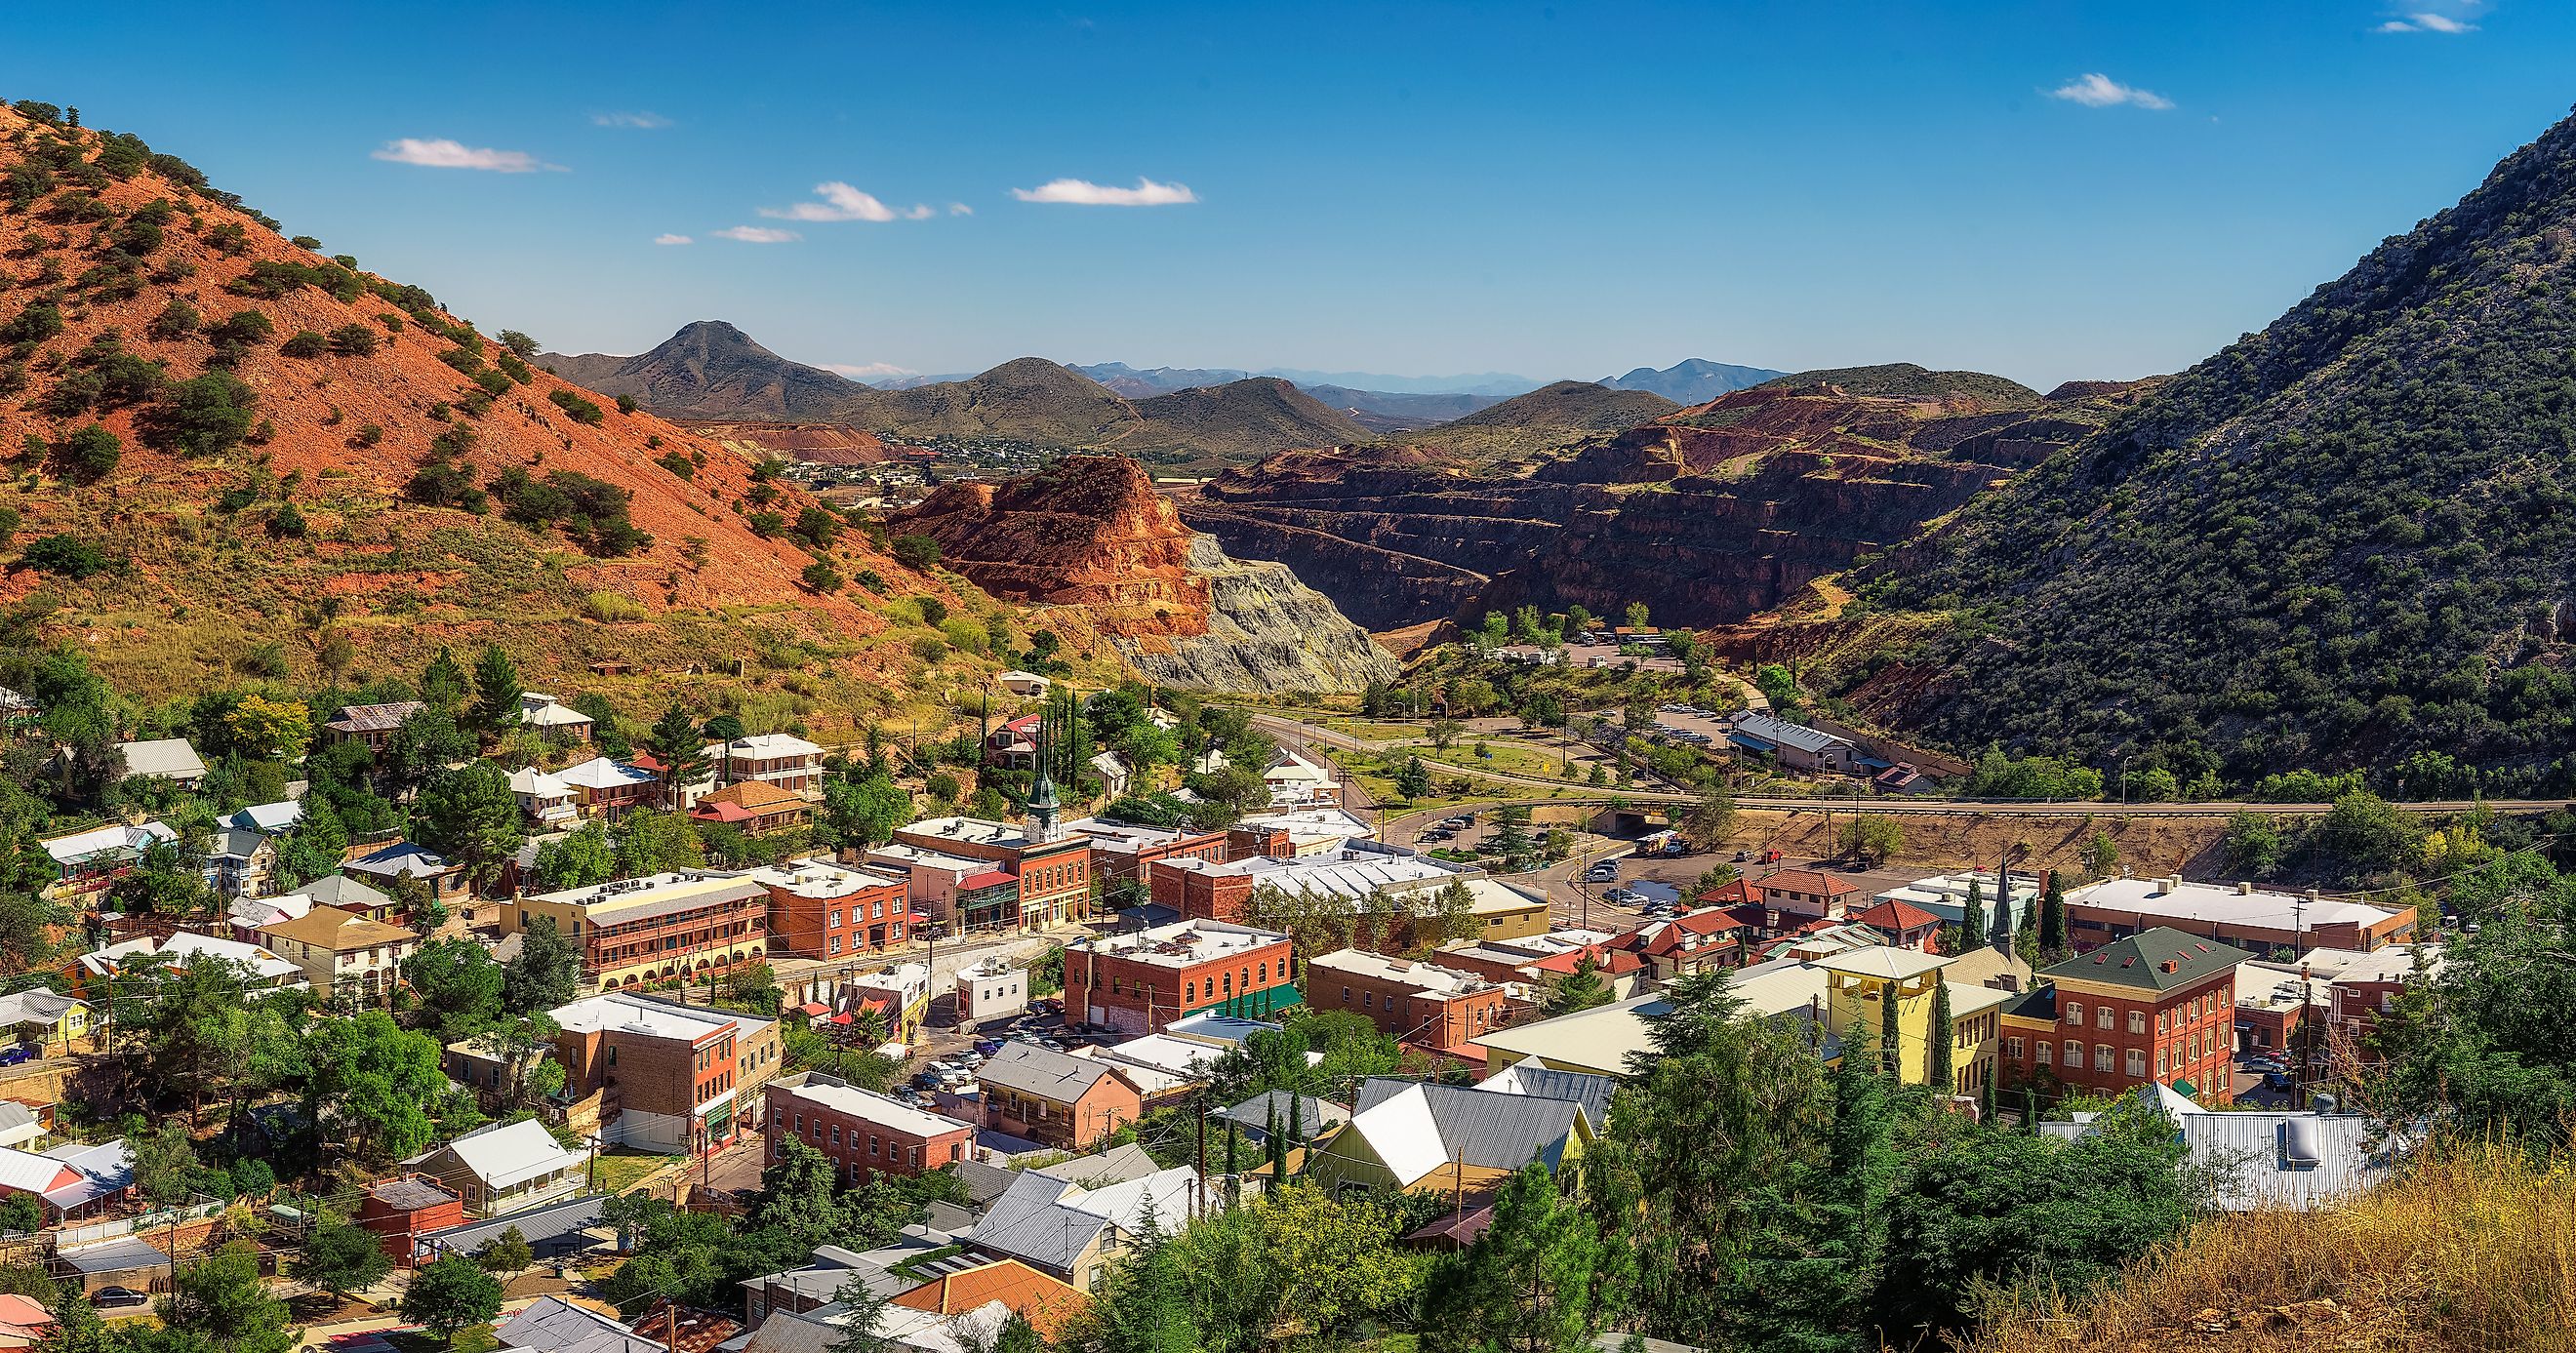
[1623, 895]
[1602, 873]
[15, 1055]
[988, 1046]
[118, 1298]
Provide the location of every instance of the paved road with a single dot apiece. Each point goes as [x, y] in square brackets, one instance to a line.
[1314, 734]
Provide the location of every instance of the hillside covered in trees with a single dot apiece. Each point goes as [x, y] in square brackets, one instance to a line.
[2344, 541]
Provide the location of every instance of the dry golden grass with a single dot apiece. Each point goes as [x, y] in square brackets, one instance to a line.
[2473, 1252]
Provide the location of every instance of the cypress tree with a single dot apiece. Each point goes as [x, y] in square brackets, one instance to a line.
[1890, 1033]
[1986, 1097]
[1972, 917]
[1277, 1141]
[2052, 920]
[1937, 1071]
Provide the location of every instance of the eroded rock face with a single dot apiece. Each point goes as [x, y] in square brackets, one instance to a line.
[1708, 515]
[1092, 532]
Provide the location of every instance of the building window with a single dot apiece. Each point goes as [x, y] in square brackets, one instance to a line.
[2102, 1017]
[2161, 1018]
[2101, 1056]
[2012, 1048]
[2137, 1021]
[2137, 1061]
[2074, 1054]
[2161, 1063]
[2075, 1014]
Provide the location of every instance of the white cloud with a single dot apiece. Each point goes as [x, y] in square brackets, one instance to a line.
[673, 239]
[635, 121]
[440, 153]
[756, 235]
[841, 202]
[1079, 192]
[2096, 90]
[2427, 23]
[960, 209]
[868, 371]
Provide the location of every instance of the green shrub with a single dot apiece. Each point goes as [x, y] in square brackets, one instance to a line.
[86, 455]
[368, 435]
[64, 556]
[353, 340]
[582, 410]
[177, 320]
[304, 343]
[626, 403]
[241, 326]
[204, 416]
[914, 551]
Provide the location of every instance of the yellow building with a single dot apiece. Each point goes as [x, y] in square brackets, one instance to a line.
[1859, 983]
[661, 928]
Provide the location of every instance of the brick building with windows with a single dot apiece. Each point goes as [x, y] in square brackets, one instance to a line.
[863, 1133]
[1051, 867]
[661, 1075]
[2157, 1006]
[822, 910]
[1423, 1005]
[658, 928]
[1140, 982]
[1122, 851]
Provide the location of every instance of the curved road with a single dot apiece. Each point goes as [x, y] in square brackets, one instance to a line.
[1308, 733]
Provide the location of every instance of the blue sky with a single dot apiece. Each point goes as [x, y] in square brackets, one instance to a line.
[1555, 190]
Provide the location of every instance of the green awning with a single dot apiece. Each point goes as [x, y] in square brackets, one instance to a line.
[1259, 1005]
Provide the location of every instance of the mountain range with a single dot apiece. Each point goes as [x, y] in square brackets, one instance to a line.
[2346, 540]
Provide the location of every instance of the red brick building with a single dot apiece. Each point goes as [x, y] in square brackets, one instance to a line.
[402, 1210]
[1054, 868]
[663, 1075]
[822, 910]
[1140, 982]
[863, 1133]
[1124, 851]
[1427, 1006]
[2158, 1006]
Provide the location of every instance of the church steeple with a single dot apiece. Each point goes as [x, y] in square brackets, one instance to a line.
[1043, 826]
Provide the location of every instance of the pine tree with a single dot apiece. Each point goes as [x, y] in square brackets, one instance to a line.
[674, 741]
[2052, 920]
[496, 691]
[443, 686]
[1413, 781]
[1937, 1071]
[1277, 1142]
[1972, 918]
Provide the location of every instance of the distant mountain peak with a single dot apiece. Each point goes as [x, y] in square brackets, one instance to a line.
[1694, 380]
[711, 369]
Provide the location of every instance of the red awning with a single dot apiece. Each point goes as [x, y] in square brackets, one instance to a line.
[813, 1010]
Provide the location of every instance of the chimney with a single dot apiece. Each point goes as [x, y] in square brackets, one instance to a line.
[2170, 883]
[2244, 887]
[2169, 965]
[2313, 895]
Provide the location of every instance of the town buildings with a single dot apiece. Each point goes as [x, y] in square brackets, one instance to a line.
[822, 910]
[863, 1133]
[1210, 890]
[990, 989]
[1123, 851]
[406, 1207]
[753, 807]
[369, 725]
[2157, 1007]
[347, 957]
[1050, 868]
[1140, 982]
[1795, 746]
[781, 759]
[606, 789]
[2241, 915]
[1055, 1098]
[662, 1075]
[1451, 1140]
[658, 928]
[504, 1167]
[1417, 1003]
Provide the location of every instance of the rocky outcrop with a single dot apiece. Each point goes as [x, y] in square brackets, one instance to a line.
[1265, 631]
[1091, 532]
[1708, 515]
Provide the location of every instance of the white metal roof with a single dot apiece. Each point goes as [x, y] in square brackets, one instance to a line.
[2208, 902]
[508, 1154]
[874, 1108]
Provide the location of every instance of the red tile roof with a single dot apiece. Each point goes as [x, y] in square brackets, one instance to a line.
[990, 878]
[1039, 1298]
[1730, 894]
[1808, 881]
[1897, 915]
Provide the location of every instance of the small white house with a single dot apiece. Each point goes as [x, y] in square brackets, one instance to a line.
[991, 989]
[1023, 683]
[505, 1167]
